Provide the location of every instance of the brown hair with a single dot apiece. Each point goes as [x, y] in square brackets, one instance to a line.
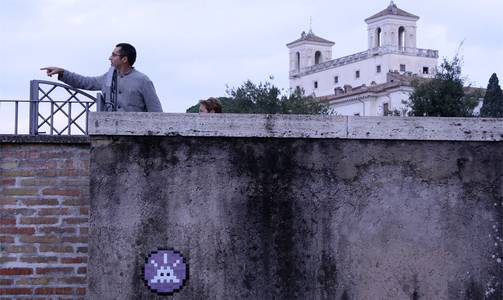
[212, 104]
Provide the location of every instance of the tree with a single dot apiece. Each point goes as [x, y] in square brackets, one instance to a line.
[442, 96]
[265, 98]
[493, 99]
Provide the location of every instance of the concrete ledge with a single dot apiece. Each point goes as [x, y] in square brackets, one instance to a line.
[296, 126]
[44, 139]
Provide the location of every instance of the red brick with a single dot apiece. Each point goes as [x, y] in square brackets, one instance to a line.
[81, 249]
[5, 259]
[80, 182]
[20, 249]
[33, 281]
[20, 154]
[82, 270]
[56, 248]
[58, 230]
[17, 230]
[47, 239]
[6, 239]
[74, 260]
[84, 230]
[74, 239]
[62, 173]
[75, 202]
[4, 212]
[59, 154]
[16, 271]
[19, 173]
[61, 192]
[9, 181]
[39, 181]
[73, 280]
[81, 291]
[39, 259]
[7, 221]
[39, 220]
[53, 291]
[52, 211]
[76, 220]
[16, 291]
[20, 191]
[35, 202]
[6, 281]
[67, 164]
[84, 210]
[38, 164]
[8, 201]
[54, 270]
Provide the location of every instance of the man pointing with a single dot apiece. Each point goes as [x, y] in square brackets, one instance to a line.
[124, 88]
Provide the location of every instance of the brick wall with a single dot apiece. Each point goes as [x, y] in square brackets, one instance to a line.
[44, 207]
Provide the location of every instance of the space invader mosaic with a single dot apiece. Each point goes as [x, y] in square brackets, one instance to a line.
[165, 271]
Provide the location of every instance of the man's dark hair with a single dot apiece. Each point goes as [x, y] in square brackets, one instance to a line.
[128, 51]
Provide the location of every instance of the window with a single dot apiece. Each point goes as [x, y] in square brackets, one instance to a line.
[401, 38]
[316, 84]
[385, 109]
[378, 37]
[357, 74]
[426, 70]
[297, 62]
[402, 68]
[336, 79]
[317, 57]
[378, 68]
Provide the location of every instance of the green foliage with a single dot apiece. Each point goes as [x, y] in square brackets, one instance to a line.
[265, 98]
[442, 96]
[493, 99]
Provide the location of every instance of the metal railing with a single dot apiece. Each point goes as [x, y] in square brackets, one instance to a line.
[55, 107]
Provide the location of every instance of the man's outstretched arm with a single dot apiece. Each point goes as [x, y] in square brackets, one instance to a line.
[54, 71]
[75, 80]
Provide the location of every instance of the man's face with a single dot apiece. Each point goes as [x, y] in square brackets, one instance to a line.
[115, 58]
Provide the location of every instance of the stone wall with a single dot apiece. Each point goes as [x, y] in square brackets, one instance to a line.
[297, 207]
[44, 208]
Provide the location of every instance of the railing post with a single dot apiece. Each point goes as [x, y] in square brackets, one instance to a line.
[34, 107]
[16, 118]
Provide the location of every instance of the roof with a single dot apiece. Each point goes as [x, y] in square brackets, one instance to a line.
[310, 37]
[393, 80]
[392, 10]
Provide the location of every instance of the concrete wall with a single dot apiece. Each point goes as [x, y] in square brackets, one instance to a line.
[296, 207]
[44, 207]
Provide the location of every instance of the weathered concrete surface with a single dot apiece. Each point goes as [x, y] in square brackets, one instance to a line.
[297, 126]
[274, 218]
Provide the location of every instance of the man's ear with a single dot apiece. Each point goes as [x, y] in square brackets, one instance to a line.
[124, 59]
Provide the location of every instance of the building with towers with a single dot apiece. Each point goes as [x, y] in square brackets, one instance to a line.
[373, 82]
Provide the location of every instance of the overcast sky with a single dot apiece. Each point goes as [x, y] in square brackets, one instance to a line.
[192, 49]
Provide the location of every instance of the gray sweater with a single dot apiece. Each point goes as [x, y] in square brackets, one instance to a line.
[135, 91]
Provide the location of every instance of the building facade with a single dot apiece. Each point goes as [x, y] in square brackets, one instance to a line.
[369, 83]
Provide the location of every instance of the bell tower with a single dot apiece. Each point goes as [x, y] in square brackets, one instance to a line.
[392, 28]
[307, 51]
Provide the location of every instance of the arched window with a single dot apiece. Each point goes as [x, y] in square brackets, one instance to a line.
[297, 62]
[401, 38]
[378, 37]
[317, 57]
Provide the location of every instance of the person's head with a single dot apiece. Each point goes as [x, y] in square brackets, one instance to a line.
[212, 105]
[123, 54]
